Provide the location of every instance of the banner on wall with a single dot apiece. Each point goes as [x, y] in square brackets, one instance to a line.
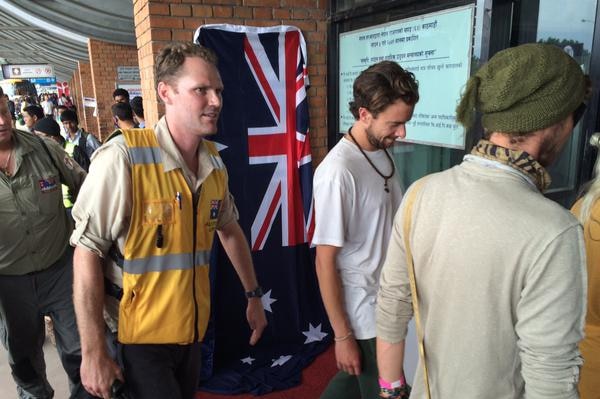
[435, 47]
[26, 71]
[264, 141]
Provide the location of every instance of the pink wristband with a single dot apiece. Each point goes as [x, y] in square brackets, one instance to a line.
[392, 385]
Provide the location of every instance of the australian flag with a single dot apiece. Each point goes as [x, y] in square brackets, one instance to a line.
[263, 140]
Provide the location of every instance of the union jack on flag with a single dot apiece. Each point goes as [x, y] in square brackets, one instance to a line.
[277, 129]
[263, 137]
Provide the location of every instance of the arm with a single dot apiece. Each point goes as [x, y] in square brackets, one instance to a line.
[235, 245]
[346, 349]
[73, 174]
[92, 144]
[394, 305]
[550, 317]
[98, 370]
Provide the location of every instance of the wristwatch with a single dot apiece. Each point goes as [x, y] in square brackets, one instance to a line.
[255, 293]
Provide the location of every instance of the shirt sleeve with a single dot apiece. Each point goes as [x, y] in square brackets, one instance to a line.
[70, 170]
[332, 191]
[103, 208]
[228, 211]
[92, 144]
[394, 299]
[550, 318]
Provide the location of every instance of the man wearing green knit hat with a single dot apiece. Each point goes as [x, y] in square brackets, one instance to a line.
[499, 269]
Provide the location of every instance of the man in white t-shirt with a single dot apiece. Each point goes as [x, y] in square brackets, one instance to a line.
[357, 192]
[47, 106]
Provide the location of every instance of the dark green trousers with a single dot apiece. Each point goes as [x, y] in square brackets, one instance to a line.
[362, 386]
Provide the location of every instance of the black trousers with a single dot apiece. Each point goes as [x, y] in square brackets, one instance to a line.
[160, 371]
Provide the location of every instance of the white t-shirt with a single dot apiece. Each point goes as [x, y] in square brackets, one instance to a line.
[355, 213]
[48, 107]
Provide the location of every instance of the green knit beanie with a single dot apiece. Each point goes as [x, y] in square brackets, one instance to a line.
[523, 89]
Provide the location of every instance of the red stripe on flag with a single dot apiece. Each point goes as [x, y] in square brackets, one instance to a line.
[261, 237]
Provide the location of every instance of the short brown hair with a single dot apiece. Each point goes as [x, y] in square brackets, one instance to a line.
[382, 84]
[171, 58]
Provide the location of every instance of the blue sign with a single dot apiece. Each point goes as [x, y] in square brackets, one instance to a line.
[43, 81]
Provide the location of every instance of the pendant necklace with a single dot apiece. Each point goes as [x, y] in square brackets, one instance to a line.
[385, 178]
[6, 167]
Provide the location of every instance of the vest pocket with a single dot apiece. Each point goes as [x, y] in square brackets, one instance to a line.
[158, 212]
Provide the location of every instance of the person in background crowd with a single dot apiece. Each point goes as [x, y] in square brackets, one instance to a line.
[36, 273]
[11, 107]
[121, 96]
[123, 115]
[500, 269]
[48, 128]
[76, 135]
[31, 114]
[137, 106]
[160, 331]
[587, 210]
[65, 101]
[357, 192]
[48, 106]
[59, 110]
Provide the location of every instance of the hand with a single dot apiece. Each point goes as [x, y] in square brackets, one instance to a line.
[98, 372]
[347, 356]
[256, 319]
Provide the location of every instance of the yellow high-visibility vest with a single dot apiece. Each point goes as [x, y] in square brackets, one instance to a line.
[166, 291]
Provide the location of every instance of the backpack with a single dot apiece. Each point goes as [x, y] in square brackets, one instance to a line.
[79, 154]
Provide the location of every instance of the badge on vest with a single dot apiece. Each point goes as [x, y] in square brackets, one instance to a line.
[47, 185]
[215, 205]
[213, 214]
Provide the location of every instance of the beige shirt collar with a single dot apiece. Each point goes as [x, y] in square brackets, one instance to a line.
[172, 158]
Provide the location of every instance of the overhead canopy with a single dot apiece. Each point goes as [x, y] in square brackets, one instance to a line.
[56, 32]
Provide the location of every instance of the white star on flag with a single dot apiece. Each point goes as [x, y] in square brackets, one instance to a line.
[281, 361]
[314, 334]
[267, 301]
[248, 360]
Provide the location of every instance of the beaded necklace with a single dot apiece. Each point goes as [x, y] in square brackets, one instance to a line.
[385, 177]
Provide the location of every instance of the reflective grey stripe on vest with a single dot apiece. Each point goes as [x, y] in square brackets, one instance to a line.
[164, 262]
[145, 155]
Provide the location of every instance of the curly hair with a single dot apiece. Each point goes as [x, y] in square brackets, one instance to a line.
[169, 61]
[383, 84]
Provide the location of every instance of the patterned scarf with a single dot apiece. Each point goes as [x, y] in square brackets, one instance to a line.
[519, 160]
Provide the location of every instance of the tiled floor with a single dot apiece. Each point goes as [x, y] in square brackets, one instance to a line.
[54, 370]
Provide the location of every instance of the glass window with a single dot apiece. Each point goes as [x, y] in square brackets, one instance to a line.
[569, 25]
[417, 160]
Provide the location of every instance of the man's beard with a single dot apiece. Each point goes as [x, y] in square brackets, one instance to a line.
[550, 150]
[374, 141]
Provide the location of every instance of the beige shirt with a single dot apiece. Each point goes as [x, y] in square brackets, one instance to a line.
[102, 211]
[501, 278]
[34, 228]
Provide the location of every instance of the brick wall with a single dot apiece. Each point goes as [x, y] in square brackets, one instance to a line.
[158, 22]
[85, 114]
[75, 90]
[104, 59]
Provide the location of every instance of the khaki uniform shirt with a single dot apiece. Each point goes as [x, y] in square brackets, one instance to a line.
[35, 229]
[102, 211]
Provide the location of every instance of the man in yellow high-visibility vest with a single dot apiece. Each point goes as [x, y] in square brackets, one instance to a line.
[159, 195]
